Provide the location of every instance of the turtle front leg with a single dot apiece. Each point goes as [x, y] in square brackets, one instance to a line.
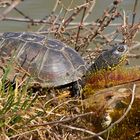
[76, 88]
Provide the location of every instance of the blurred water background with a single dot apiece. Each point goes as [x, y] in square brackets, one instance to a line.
[38, 9]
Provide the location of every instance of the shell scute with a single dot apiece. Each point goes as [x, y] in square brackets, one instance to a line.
[55, 44]
[56, 69]
[30, 57]
[74, 57]
[32, 37]
[29, 52]
[10, 46]
[11, 34]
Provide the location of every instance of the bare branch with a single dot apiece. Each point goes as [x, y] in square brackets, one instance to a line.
[8, 10]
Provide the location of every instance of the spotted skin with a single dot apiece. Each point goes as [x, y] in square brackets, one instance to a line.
[109, 59]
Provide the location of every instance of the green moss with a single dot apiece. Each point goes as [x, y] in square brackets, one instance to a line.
[129, 126]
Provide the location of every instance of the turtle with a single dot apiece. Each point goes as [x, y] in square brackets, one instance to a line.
[53, 63]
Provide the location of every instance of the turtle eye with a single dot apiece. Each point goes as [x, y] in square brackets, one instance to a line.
[121, 48]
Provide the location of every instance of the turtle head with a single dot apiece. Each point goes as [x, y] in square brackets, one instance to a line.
[118, 51]
[110, 58]
[116, 55]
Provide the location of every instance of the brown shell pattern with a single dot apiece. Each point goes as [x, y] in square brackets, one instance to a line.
[49, 61]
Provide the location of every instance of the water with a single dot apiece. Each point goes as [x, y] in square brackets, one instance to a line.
[38, 9]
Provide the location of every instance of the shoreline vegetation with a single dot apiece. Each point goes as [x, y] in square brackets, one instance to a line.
[109, 105]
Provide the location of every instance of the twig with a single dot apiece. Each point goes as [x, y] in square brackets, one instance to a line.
[90, 9]
[134, 12]
[21, 13]
[68, 20]
[133, 55]
[137, 44]
[55, 6]
[93, 24]
[23, 133]
[120, 119]
[80, 129]
[53, 10]
[61, 121]
[56, 107]
[63, 19]
[56, 23]
[53, 24]
[79, 28]
[78, 7]
[11, 7]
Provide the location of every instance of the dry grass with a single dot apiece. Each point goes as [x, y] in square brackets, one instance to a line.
[40, 114]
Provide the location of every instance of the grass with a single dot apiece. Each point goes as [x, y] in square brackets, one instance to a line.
[28, 114]
[40, 114]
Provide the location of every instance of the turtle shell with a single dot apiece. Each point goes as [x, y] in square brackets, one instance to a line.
[48, 61]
